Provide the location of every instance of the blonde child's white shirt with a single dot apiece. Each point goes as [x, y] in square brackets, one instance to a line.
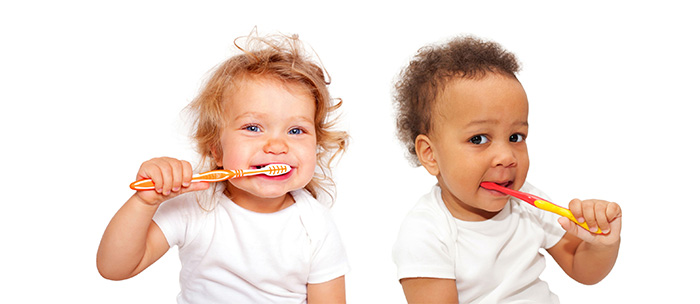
[233, 255]
[492, 261]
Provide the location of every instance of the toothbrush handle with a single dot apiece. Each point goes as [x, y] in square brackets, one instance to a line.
[547, 206]
[143, 184]
[210, 176]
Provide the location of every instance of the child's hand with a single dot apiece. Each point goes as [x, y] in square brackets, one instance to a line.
[597, 214]
[171, 178]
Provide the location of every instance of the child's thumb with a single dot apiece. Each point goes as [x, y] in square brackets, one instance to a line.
[576, 230]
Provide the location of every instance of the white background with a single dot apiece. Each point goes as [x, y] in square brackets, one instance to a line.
[90, 90]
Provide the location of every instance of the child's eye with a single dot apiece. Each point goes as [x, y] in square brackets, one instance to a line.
[517, 138]
[479, 140]
[296, 131]
[252, 128]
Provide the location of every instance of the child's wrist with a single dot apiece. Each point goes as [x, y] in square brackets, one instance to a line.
[139, 200]
[604, 245]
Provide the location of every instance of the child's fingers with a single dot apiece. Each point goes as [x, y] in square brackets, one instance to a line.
[589, 215]
[597, 214]
[170, 176]
[180, 175]
[165, 172]
[176, 167]
[151, 169]
[613, 211]
[591, 212]
[601, 217]
[576, 230]
[576, 208]
[186, 173]
[166, 168]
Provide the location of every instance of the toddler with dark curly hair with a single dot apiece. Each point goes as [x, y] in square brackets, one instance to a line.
[463, 115]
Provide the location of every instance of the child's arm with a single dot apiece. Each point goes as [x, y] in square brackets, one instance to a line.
[587, 257]
[332, 291]
[132, 241]
[430, 290]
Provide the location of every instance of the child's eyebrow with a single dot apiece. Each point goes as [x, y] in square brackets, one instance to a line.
[263, 115]
[246, 116]
[522, 123]
[250, 113]
[482, 122]
[495, 121]
[303, 118]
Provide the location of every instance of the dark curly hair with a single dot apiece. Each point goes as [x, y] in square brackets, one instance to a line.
[431, 69]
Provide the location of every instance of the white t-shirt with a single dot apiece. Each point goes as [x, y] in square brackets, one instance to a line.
[492, 261]
[233, 255]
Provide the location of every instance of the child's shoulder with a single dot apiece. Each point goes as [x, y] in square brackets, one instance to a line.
[304, 200]
[430, 215]
[428, 235]
[429, 205]
[314, 214]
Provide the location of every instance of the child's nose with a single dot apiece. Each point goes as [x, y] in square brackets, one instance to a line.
[276, 145]
[504, 156]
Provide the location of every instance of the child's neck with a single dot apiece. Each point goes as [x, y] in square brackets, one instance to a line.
[257, 204]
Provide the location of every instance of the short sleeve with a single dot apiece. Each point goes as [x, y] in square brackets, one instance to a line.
[552, 230]
[329, 260]
[548, 221]
[424, 248]
[174, 216]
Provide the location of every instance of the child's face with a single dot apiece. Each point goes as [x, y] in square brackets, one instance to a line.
[479, 128]
[268, 122]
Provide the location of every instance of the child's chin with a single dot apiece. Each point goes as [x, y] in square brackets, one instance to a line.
[270, 194]
[497, 205]
[275, 192]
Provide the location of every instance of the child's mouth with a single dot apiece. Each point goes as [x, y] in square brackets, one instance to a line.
[273, 170]
[506, 184]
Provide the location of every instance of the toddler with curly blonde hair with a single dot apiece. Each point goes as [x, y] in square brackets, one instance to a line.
[263, 239]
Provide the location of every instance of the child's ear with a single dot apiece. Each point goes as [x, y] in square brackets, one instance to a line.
[424, 151]
[215, 151]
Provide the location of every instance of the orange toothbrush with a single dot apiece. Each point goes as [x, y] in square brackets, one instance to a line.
[220, 175]
[537, 202]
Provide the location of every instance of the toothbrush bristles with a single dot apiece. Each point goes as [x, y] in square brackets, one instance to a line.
[273, 170]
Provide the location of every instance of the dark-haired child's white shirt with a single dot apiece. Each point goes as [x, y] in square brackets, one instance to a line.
[492, 261]
[233, 255]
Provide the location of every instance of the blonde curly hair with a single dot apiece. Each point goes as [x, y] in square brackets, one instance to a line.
[280, 57]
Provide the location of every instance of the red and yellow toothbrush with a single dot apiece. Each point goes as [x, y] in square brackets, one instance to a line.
[537, 202]
[220, 175]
